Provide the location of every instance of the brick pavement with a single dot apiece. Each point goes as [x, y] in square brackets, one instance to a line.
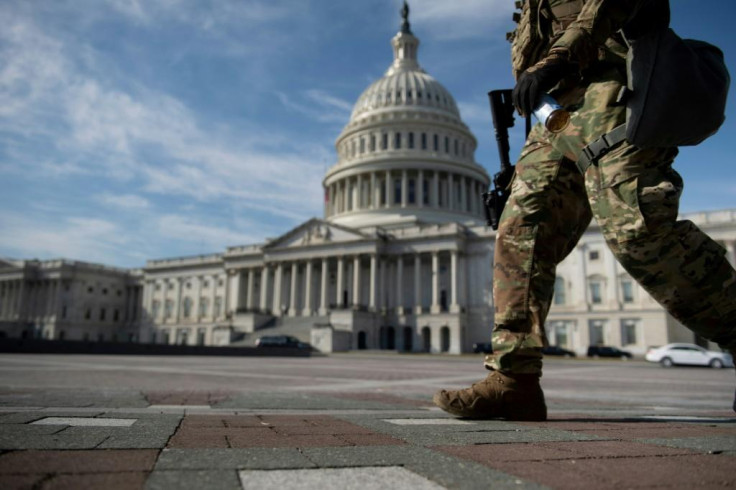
[126, 438]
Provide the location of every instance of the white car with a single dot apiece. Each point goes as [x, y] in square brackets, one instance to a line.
[688, 354]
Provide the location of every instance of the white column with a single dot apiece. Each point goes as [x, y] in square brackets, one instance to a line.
[277, 287]
[400, 284]
[213, 295]
[346, 194]
[264, 287]
[323, 288]
[389, 197]
[374, 190]
[419, 189]
[404, 188]
[356, 281]
[382, 297]
[293, 292]
[454, 306]
[435, 308]
[340, 287]
[418, 284]
[436, 190]
[450, 192]
[233, 296]
[612, 288]
[307, 311]
[358, 198]
[177, 316]
[249, 293]
[582, 277]
[372, 298]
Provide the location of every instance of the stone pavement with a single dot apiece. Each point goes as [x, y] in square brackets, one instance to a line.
[116, 437]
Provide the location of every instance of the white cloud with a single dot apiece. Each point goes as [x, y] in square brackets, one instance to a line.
[189, 229]
[124, 201]
[82, 238]
[444, 19]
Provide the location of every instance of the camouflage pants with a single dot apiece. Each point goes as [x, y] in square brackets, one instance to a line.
[633, 195]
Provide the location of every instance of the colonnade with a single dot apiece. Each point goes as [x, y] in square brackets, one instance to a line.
[24, 299]
[316, 286]
[385, 189]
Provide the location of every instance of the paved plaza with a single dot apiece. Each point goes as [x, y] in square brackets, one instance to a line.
[358, 420]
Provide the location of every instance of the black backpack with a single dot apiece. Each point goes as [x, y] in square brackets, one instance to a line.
[677, 88]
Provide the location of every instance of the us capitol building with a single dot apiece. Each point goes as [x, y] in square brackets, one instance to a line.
[401, 260]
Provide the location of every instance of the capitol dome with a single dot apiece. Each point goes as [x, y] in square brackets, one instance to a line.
[405, 156]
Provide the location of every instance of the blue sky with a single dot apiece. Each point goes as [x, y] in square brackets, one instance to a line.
[141, 129]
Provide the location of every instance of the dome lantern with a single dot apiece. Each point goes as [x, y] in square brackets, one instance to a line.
[405, 46]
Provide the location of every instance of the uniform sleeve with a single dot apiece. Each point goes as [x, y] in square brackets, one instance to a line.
[597, 21]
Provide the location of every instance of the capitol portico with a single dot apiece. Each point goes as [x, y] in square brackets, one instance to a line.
[401, 259]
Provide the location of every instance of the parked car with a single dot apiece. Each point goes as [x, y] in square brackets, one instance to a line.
[556, 350]
[483, 347]
[688, 355]
[608, 351]
[281, 341]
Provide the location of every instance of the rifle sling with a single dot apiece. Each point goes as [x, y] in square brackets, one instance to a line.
[591, 153]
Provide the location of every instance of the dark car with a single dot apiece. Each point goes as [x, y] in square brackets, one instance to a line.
[483, 347]
[607, 351]
[556, 350]
[281, 341]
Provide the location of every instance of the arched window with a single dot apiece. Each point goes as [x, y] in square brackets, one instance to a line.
[426, 339]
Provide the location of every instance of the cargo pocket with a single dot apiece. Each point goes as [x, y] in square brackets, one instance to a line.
[512, 270]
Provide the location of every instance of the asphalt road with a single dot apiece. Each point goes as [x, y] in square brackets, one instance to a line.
[611, 385]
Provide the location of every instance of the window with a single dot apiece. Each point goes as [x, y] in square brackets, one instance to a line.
[436, 143]
[595, 293]
[397, 191]
[203, 303]
[116, 315]
[120, 293]
[218, 306]
[424, 140]
[628, 332]
[384, 141]
[158, 287]
[102, 314]
[155, 308]
[168, 308]
[627, 290]
[104, 292]
[220, 282]
[362, 145]
[89, 289]
[397, 141]
[187, 307]
[411, 140]
[559, 296]
[189, 285]
[88, 314]
[372, 146]
[594, 255]
[447, 144]
[412, 191]
[457, 151]
[206, 284]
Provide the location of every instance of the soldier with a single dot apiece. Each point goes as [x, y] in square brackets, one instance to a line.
[573, 49]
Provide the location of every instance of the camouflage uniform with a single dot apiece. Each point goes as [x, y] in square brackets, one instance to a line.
[632, 193]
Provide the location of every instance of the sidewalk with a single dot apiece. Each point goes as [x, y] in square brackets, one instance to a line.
[52, 439]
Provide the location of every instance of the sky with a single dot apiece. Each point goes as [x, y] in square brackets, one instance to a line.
[133, 130]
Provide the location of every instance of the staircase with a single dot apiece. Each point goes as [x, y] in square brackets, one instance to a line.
[299, 327]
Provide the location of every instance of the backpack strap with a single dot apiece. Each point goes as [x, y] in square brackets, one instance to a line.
[591, 153]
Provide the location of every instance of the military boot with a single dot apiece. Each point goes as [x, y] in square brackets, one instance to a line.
[504, 396]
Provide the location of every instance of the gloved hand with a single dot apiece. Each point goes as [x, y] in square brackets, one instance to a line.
[540, 78]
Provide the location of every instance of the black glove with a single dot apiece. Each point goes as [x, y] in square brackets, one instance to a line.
[539, 79]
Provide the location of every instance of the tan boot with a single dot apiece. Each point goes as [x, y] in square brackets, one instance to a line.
[504, 396]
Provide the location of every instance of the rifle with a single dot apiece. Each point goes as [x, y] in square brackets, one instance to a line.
[502, 110]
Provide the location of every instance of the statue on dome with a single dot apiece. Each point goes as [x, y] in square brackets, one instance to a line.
[405, 28]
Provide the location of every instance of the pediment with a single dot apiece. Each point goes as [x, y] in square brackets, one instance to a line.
[316, 232]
